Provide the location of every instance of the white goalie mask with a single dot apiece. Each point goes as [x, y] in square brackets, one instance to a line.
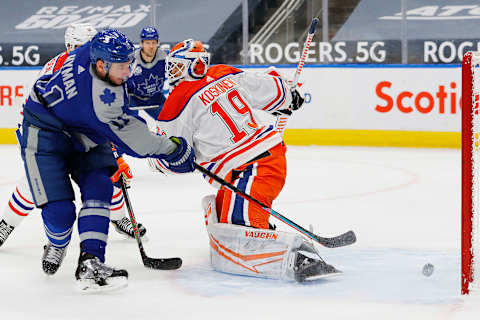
[77, 34]
[187, 60]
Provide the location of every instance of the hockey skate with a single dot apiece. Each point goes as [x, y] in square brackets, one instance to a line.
[93, 275]
[52, 258]
[124, 227]
[5, 230]
[310, 266]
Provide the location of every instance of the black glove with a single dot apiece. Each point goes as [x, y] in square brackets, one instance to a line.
[297, 100]
[287, 112]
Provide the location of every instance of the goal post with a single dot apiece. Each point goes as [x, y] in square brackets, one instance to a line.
[470, 246]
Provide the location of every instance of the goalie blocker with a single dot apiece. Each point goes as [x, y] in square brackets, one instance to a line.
[261, 253]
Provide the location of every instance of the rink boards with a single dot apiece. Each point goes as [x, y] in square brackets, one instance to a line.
[368, 105]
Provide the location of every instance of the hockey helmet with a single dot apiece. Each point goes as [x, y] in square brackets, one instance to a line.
[149, 33]
[77, 34]
[111, 46]
[187, 59]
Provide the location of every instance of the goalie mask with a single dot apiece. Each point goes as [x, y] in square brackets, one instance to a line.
[187, 60]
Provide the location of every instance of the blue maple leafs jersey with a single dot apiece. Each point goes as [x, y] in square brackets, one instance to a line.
[146, 84]
[91, 111]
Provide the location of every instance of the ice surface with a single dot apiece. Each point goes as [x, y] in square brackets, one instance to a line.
[404, 205]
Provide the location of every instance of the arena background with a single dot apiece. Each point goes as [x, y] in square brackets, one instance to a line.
[379, 73]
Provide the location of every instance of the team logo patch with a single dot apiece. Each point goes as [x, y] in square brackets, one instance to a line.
[137, 71]
[107, 97]
[151, 86]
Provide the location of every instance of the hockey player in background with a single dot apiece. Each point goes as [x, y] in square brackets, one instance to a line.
[221, 112]
[70, 118]
[21, 204]
[146, 84]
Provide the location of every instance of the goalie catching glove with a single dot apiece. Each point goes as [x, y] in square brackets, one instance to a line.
[297, 97]
[297, 102]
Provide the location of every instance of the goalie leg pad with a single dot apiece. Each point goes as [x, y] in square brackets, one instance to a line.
[248, 251]
[254, 252]
[210, 209]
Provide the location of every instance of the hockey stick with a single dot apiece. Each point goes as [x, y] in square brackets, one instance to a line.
[143, 107]
[344, 239]
[282, 116]
[306, 47]
[153, 263]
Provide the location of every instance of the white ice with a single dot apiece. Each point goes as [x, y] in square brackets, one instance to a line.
[403, 204]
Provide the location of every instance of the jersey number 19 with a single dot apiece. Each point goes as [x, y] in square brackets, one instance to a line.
[229, 115]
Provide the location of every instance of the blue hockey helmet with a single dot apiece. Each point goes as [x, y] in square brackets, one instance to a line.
[111, 46]
[149, 33]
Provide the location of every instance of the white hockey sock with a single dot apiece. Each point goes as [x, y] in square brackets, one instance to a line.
[117, 208]
[19, 205]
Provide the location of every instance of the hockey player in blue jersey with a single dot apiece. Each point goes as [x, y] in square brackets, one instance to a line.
[146, 83]
[70, 118]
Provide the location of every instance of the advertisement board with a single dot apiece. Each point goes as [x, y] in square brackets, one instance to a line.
[362, 104]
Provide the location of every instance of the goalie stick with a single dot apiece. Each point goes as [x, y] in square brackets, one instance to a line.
[306, 47]
[283, 115]
[344, 239]
[153, 263]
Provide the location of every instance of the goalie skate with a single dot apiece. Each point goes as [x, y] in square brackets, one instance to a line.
[5, 230]
[124, 227]
[308, 267]
[92, 275]
[52, 258]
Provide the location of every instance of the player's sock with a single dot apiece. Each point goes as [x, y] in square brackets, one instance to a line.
[117, 205]
[18, 207]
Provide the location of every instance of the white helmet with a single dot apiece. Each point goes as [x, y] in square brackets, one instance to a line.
[77, 34]
[187, 59]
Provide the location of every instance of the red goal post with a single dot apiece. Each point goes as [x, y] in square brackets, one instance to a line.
[470, 254]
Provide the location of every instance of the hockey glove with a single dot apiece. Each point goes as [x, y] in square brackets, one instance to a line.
[285, 112]
[123, 170]
[182, 159]
[297, 100]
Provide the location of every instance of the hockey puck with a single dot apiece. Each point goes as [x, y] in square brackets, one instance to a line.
[427, 269]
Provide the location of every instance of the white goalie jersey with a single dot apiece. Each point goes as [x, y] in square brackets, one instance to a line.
[220, 116]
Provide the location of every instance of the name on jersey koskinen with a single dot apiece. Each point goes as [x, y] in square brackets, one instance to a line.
[209, 94]
[261, 235]
[67, 77]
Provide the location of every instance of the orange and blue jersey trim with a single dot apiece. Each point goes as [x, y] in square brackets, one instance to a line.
[279, 99]
[219, 162]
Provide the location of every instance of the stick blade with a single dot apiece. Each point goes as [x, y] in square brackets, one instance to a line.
[162, 264]
[342, 240]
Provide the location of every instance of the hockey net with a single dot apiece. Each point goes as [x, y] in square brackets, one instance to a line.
[470, 173]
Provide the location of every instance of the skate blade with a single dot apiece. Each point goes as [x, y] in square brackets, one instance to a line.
[324, 276]
[90, 286]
